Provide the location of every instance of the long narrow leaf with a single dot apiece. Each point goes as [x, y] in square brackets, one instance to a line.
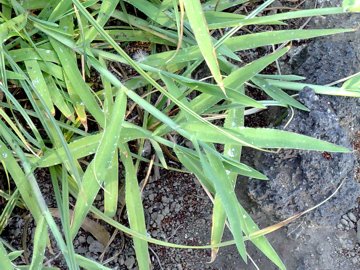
[134, 208]
[199, 26]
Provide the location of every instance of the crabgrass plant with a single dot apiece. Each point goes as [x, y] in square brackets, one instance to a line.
[66, 108]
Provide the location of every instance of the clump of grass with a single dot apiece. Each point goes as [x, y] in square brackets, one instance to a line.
[54, 114]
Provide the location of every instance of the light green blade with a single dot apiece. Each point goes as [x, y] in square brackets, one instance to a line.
[200, 29]
[262, 137]
[95, 174]
[40, 240]
[5, 262]
[134, 208]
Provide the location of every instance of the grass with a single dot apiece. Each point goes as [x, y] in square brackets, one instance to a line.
[54, 115]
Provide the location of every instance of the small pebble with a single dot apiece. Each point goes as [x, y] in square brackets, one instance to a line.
[344, 222]
[352, 217]
[154, 216]
[189, 144]
[96, 247]
[82, 239]
[81, 250]
[159, 219]
[346, 217]
[89, 240]
[358, 231]
[129, 262]
[340, 226]
[121, 260]
[319, 249]
[351, 225]
[151, 196]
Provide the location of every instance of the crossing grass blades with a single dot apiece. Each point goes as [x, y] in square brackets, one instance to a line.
[54, 116]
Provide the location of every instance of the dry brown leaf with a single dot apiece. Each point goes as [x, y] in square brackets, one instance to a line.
[97, 230]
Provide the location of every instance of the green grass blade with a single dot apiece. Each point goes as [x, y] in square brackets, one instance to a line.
[260, 242]
[250, 41]
[106, 9]
[40, 240]
[153, 12]
[235, 80]
[95, 174]
[221, 5]
[111, 187]
[59, 10]
[59, 100]
[15, 254]
[66, 215]
[232, 94]
[243, 42]
[5, 262]
[351, 5]
[39, 83]
[52, 130]
[159, 153]
[89, 264]
[19, 178]
[238, 77]
[86, 146]
[234, 118]
[15, 129]
[12, 27]
[73, 74]
[318, 89]
[15, 103]
[193, 164]
[9, 207]
[263, 137]
[280, 17]
[353, 84]
[134, 208]
[36, 196]
[215, 171]
[278, 94]
[200, 29]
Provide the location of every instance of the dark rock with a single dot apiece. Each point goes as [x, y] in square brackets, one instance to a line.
[302, 179]
[90, 239]
[129, 262]
[316, 61]
[358, 231]
[96, 247]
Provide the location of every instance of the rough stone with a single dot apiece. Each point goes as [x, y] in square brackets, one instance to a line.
[82, 239]
[323, 60]
[351, 225]
[129, 262]
[358, 231]
[344, 222]
[352, 217]
[301, 179]
[96, 247]
[90, 239]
